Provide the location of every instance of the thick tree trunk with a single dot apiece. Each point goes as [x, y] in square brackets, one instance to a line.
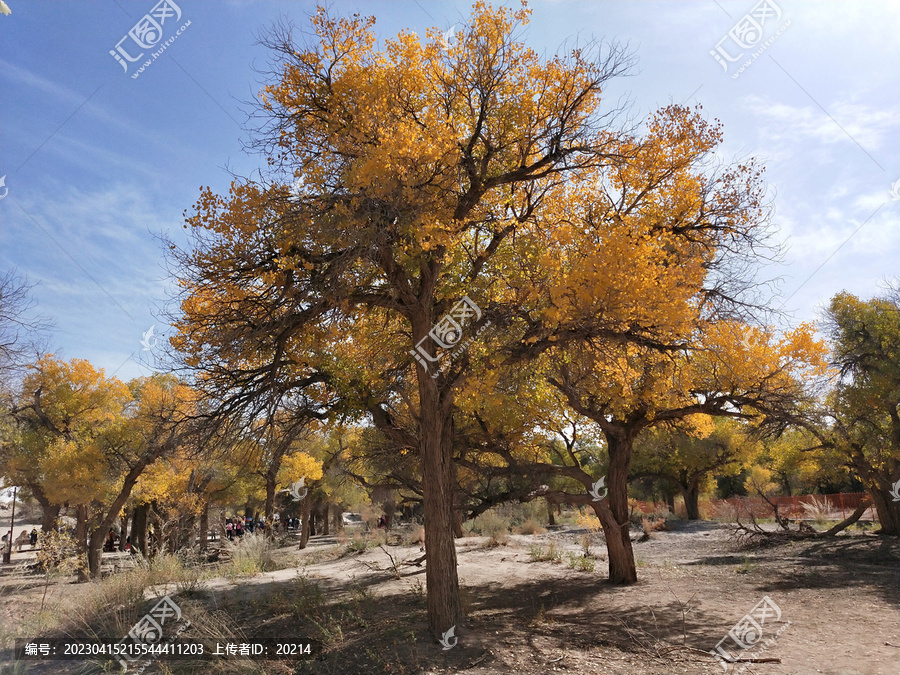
[202, 539]
[49, 512]
[185, 531]
[123, 524]
[436, 451]
[691, 494]
[880, 485]
[155, 531]
[888, 512]
[616, 524]
[670, 502]
[95, 550]
[81, 538]
[389, 507]
[313, 519]
[620, 557]
[457, 524]
[326, 509]
[49, 516]
[304, 521]
[139, 529]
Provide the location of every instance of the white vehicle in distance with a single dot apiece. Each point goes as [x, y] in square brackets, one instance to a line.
[352, 519]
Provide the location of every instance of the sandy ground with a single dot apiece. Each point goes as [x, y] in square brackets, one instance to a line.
[839, 601]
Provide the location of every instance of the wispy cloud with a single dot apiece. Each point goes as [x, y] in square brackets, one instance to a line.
[795, 124]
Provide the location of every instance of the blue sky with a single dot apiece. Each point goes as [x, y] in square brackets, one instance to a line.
[98, 163]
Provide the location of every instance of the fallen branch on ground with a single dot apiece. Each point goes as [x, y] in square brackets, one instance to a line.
[764, 659]
[754, 534]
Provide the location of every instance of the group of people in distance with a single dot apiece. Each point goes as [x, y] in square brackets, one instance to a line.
[236, 526]
[25, 537]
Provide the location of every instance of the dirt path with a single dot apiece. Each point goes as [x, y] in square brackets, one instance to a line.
[839, 601]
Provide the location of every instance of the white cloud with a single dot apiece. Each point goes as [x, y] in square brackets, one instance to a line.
[844, 123]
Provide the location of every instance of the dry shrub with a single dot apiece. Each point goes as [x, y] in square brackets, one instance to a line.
[499, 539]
[249, 555]
[819, 510]
[531, 527]
[491, 524]
[653, 524]
[413, 536]
[540, 554]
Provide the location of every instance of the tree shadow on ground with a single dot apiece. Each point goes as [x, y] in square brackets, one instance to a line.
[820, 563]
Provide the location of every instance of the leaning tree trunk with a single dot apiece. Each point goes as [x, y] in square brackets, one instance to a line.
[436, 452]
[271, 484]
[616, 527]
[100, 531]
[691, 493]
